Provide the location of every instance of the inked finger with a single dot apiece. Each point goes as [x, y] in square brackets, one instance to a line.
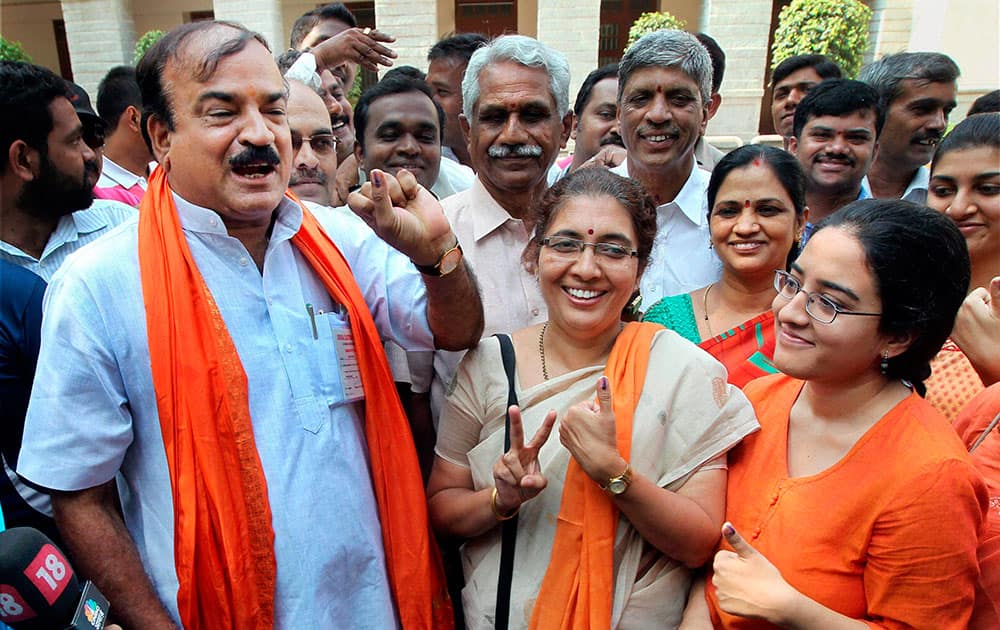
[382, 205]
[740, 546]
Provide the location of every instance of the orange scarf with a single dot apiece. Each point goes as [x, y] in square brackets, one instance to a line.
[577, 589]
[223, 540]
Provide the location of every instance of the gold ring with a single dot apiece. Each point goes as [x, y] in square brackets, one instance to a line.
[367, 31]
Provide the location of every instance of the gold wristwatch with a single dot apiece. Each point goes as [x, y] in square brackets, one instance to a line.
[445, 265]
[617, 485]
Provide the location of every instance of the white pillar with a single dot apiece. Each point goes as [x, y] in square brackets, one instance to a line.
[100, 34]
[741, 27]
[573, 28]
[262, 16]
[414, 25]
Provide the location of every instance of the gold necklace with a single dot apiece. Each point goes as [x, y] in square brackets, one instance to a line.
[704, 306]
[541, 350]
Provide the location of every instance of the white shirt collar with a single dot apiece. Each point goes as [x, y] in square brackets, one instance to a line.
[690, 198]
[121, 176]
[199, 219]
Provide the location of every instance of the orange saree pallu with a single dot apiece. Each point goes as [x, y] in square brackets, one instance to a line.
[577, 589]
[223, 538]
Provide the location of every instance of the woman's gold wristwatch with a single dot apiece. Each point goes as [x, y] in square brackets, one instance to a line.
[618, 484]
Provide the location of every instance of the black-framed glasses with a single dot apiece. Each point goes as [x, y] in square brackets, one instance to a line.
[321, 143]
[566, 246]
[819, 307]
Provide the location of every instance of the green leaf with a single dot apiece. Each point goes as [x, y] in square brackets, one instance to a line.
[836, 28]
[650, 22]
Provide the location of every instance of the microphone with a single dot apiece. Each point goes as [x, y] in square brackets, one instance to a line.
[39, 589]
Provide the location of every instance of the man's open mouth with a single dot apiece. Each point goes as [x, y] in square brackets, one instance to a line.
[254, 171]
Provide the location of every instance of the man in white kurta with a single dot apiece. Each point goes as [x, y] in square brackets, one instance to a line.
[225, 147]
[93, 408]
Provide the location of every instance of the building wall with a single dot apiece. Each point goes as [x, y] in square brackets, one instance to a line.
[892, 21]
[527, 17]
[688, 10]
[31, 24]
[741, 27]
[571, 27]
[156, 15]
[414, 27]
[101, 35]
[966, 30]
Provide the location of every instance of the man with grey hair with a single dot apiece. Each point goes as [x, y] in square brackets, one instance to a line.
[664, 90]
[515, 118]
[917, 93]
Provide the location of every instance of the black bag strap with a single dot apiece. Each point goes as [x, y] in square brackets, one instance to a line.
[508, 532]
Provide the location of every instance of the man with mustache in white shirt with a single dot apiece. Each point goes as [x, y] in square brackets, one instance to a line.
[917, 93]
[664, 90]
[516, 117]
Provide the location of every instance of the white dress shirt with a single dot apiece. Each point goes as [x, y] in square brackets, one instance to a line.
[682, 260]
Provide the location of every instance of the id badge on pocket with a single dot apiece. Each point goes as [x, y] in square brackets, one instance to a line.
[347, 359]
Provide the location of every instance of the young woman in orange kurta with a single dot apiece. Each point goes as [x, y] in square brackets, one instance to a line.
[855, 505]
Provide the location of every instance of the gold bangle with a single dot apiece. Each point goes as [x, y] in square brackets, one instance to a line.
[496, 512]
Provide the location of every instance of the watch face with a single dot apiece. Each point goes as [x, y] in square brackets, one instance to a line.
[449, 262]
[617, 486]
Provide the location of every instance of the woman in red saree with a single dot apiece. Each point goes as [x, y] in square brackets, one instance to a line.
[757, 209]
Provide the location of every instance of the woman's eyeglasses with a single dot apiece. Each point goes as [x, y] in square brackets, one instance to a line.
[566, 247]
[819, 307]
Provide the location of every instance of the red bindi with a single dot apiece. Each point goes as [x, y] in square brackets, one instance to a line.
[746, 204]
[590, 231]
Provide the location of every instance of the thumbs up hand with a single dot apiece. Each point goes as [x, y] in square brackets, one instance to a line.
[587, 430]
[747, 584]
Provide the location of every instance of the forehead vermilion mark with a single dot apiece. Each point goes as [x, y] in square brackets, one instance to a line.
[590, 231]
[756, 162]
[746, 204]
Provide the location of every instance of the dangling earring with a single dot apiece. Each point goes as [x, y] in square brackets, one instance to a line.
[884, 365]
[711, 245]
[632, 308]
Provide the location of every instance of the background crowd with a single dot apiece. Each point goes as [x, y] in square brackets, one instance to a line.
[271, 358]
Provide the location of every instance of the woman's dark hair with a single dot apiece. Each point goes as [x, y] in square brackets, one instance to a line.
[595, 182]
[784, 166]
[979, 130]
[921, 268]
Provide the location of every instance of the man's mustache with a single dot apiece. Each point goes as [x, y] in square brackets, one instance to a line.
[612, 138]
[307, 173]
[501, 151]
[254, 155]
[836, 157]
